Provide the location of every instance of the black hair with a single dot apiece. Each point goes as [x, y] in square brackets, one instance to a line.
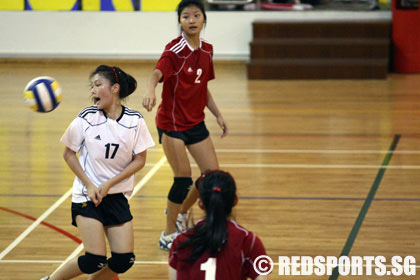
[117, 76]
[185, 3]
[217, 191]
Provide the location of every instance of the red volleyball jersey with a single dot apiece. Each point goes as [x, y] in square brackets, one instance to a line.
[185, 75]
[234, 262]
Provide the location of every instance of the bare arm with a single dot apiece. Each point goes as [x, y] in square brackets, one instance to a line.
[73, 162]
[215, 111]
[172, 273]
[135, 165]
[149, 98]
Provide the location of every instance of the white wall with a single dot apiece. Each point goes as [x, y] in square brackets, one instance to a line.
[135, 35]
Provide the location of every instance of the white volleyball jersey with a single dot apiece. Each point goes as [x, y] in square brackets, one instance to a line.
[106, 147]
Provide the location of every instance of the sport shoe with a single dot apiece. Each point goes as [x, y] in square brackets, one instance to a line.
[45, 278]
[165, 241]
[182, 222]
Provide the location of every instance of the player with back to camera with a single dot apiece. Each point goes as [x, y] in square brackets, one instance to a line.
[216, 247]
[112, 142]
[185, 68]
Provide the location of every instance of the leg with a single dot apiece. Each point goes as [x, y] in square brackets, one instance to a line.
[189, 200]
[205, 156]
[70, 270]
[121, 242]
[178, 160]
[93, 239]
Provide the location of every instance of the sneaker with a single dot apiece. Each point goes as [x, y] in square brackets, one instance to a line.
[165, 241]
[182, 222]
[45, 278]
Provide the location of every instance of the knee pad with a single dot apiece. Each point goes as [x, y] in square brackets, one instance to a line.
[90, 263]
[120, 263]
[179, 189]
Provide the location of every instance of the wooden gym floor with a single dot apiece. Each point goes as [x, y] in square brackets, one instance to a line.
[323, 168]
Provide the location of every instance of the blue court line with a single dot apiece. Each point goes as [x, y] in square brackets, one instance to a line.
[362, 214]
[246, 197]
[327, 198]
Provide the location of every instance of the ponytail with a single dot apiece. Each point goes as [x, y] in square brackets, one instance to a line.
[117, 76]
[218, 193]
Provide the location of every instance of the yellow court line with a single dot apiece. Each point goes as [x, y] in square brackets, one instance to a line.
[320, 111]
[307, 151]
[306, 166]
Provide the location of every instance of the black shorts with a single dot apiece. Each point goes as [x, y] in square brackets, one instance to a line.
[113, 210]
[191, 136]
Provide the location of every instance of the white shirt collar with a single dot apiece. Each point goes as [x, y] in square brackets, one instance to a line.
[191, 48]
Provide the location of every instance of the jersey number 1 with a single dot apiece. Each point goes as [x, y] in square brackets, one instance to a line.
[108, 148]
[210, 268]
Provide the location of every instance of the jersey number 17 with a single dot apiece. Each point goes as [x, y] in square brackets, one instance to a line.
[108, 148]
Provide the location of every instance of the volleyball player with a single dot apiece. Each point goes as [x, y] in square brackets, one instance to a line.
[216, 247]
[185, 68]
[111, 141]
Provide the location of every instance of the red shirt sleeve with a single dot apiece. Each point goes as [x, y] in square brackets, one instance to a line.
[173, 257]
[211, 75]
[211, 71]
[166, 65]
[255, 249]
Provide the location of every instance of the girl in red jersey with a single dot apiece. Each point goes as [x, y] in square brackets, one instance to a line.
[185, 68]
[216, 248]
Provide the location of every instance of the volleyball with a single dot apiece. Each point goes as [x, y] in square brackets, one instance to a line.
[43, 94]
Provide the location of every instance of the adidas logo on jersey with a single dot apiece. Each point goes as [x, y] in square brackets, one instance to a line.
[98, 137]
[190, 70]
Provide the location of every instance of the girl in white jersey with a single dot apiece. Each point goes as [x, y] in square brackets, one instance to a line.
[111, 141]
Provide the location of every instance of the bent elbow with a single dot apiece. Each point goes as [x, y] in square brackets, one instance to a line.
[142, 163]
[67, 154]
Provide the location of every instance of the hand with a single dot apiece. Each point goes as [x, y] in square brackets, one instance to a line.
[94, 194]
[104, 189]
[223, 126]
[149, 100]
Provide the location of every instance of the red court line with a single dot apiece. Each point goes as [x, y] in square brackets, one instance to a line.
[65, 233]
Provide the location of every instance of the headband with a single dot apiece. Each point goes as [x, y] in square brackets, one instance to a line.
[115, 72]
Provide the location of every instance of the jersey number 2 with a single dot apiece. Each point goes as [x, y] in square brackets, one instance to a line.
[210, 268]
[108, 148]
[199, 73]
